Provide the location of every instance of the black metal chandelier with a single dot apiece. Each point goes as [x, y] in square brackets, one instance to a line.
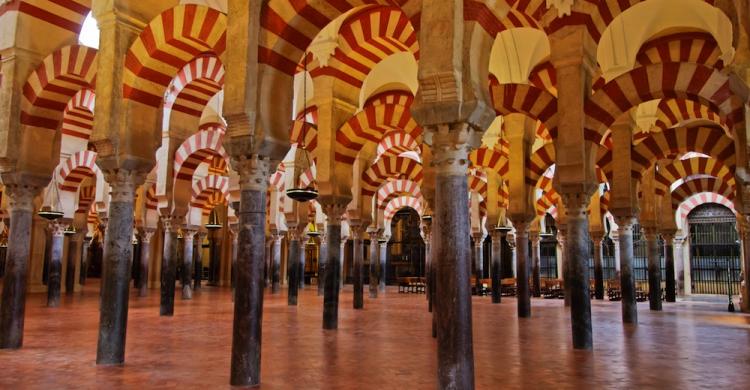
[302, 157]
[51, 206]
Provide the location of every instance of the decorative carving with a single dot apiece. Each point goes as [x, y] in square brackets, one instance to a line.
[563, 6]
[439, 87]
[124, 183]
[451, 145]
[576, 204]
[57, 228]
[21, 197]
[146, 234]
[253, 172]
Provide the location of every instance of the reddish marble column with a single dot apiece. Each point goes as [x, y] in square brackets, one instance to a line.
[535, 265]
[670, 295]
[523, 293]
[627, 278]
[598, 268]
[198, 260]
[187, 262]
[13, 306]
[577, 255]
[358, 255]
[118, 252]
[169, 265]
[55, 262]
[276, 263]
[322, 259]
[74, 243]
[293, 259]
[334, 208]
[654, 268]
[373, 289]
[146, 235]
[496, 268]
[478, 262]
[383, 243]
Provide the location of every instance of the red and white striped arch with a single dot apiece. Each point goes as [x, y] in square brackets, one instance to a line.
[669, 80]
[397, 142]
[671, 143]
[399, 203]
[197, 149]
[495, 158]
[390, 167]
[305, 134]
[702, 184]
[696, 200]
[51, 86]
[525, 99]
[66, 15]
[78, 117]
[166, 45]
[371, 125]
[204, 189]
[477, 183]
[523, 13]
[539, 162]
[680, 169]
[77, 168]
[674, 112]
[395, 188]
[544, 76]
[86, 198]
[152, 202]
[195, 84]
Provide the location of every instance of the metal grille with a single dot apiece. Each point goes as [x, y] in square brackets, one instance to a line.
[714, 251]
[640, 259]
[548, 259]
[608, 259]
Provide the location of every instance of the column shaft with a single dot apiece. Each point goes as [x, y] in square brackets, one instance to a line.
[478, 263]
[670, 270]
[322, 261]
[358, 279]
[535, 266]
[523, 296]
[627, 278]
[145, 259]
[84, 260]
[73, 255]
[496, 268]
[302, 261]
[168, 270]
[374, 265]
[187, 265]
[598, 270]
[276, 264]
[383, 265]
[654, 269]
[198, 261]
[293, 268]
[577, 244]
[332, 285]
[55, 264]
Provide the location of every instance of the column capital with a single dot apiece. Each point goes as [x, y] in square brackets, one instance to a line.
[171, 223]
[597, 236]
[57, 227]
[21, 196]
[124, 183]
[535, 237]
[679, 240]
[253, 171]
[451, 145]
[576, 203]
[188, 233]
[334, 207]
[146, 234]
[624, 221]
[650, 232]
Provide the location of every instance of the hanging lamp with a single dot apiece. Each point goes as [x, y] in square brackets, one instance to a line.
[302, 156]
[51, 205]
[213, 221]
[69, 231]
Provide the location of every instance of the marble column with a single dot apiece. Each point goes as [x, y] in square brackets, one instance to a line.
[169, 265]
[563, 260]
[679, 264]
[276, 263]
[478, 262]
[452, 251]
[654, 268]
[616, 241]
[198, 260]
[248, 304]
[187, 262]
[358, 254]
[214, 258]
[146, 235]
[535, 264]
[334, 208]
[84, 260]
[627, 277]
[496, 269]
[383, 244]
[302, 260]
[322, 260]
[13, 306]
[55, 262]
[523, 293]
[342, 253]
[116, 265]
[670, 295]
[295, 249]
[267, 262]
[597, 238]
[74, 244]
[374, 263]
[577, 256]
[234, 229]
[427, 237]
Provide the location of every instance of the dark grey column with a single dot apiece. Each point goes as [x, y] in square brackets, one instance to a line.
[116, 265]
[743, 228]
[334, 208]
[597, 237]
[577, 255]
[13, 304]
[478, 262]
[562, 240]
[276, 263]
[322, 259]
[169, 265]
[187, 263]
[146, 235]
[267, 266]
[374, 251]
[55, 263]
[523, 293]
[198, 260]
[74, 243]
[293, 260]
[536, 279]
[358, 279]
[496, 268]
[84, 260]
[302, 259]
[248, 304]
[627, 278]
[383, 243]
[342, 252]
[654, 268]
[670, 295]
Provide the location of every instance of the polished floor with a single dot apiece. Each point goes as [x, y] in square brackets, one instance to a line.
[385, 346]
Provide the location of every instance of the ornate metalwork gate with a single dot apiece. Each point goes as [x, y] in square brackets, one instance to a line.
[714, 250]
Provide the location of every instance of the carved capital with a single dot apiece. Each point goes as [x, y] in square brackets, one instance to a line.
[57, 227]
[21, 196]
[253, 172]
[651, 233]
[146, 234]
[124, 183]
[334, 207]
[172, 223]
[188, 233]
[576, 204]
[451, 145]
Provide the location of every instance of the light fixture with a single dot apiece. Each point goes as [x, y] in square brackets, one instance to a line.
[51, 206]
[213, 221]
[427, 218]
[134, 240]
[301, 155]
[69, 231]
[503, 229]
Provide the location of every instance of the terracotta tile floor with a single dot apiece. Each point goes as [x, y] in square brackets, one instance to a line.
[386, 346]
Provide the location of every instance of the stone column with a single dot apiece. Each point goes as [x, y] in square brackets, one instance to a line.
[374, 263]
[342, 253]
[496, 269]
[302, 260]
[248, 304]
[383, 243]
[55, 262]
[198, 260]
[427, 237]
[597, 238]
[213, 259]
[616, 241]
[12, 308]
[322, 259]
[478, 262]
[627, 278]
[358, 259]
[523, 293]
[334, 208]
[276, 263]
[654, 268]
[535, 264]
[294, 259]
[577, 255]
[563, 262]
[670, 295]
[679, 264]
[188, 235]
[84, 260]
[169, 265]
[266, 262]
[743, 228]
[116, 261]
[235, 250]
[146, 235]
[74, 244]
[452, 253]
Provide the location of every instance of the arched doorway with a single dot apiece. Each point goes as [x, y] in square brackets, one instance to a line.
[406, 249]
[548, 250]
[714, 250]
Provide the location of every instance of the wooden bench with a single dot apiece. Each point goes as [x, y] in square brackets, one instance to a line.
[413, 285]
